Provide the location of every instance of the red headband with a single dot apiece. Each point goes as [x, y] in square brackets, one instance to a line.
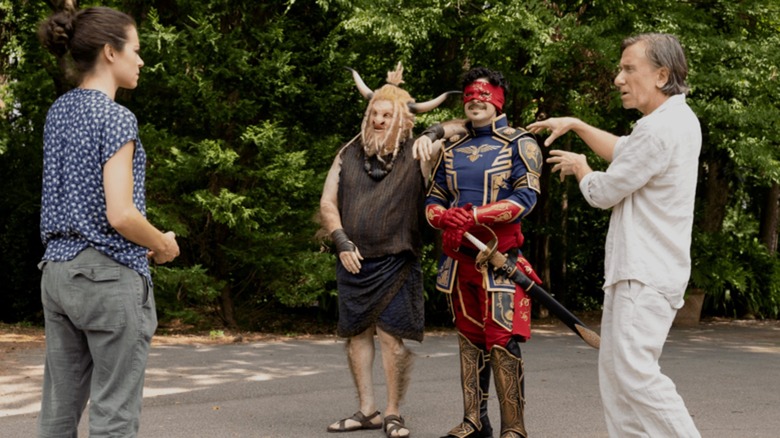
[484, 92]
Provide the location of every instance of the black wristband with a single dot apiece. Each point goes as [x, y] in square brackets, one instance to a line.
[341, 241]
[434, 132]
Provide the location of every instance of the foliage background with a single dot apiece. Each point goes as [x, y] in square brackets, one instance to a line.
[243, 104]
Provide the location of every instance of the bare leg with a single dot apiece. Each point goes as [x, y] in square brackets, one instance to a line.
[360, 355]
[397, 363]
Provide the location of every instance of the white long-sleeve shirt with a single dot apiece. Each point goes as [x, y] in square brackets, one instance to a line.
[650, 186]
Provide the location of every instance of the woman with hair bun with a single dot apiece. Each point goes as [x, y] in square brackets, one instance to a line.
[96, 286]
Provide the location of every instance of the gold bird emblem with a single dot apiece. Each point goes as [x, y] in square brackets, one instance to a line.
[475, 152]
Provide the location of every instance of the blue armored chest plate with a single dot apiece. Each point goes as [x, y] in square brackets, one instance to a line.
[479, 170]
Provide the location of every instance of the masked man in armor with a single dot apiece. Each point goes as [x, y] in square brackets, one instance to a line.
[372, 208]
[484, 183]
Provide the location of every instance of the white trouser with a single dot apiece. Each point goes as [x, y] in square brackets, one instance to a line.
[639, 401]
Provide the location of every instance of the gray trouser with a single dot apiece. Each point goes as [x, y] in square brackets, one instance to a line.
[100, 318]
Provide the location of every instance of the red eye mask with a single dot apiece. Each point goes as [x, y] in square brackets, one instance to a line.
[484, 92]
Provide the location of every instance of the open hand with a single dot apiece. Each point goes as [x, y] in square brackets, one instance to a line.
[568, 163]
[351, 260]
[556, 125]
[424, 148]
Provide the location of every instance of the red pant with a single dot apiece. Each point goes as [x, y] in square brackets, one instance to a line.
[473, 310]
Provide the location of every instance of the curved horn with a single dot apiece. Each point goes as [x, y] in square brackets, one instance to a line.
[424, 107]
[362, 87]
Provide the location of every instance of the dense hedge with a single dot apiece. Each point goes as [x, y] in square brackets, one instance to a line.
[243, 104]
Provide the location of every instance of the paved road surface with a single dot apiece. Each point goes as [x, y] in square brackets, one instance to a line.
[728, 373]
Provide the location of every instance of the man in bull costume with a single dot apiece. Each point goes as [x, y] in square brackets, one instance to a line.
[484, 183]
[372, 206]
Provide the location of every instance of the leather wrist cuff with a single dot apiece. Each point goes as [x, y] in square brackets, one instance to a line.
[434, 132]
[342, 242]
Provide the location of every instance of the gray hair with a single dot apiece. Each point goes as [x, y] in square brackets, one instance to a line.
[664, 50]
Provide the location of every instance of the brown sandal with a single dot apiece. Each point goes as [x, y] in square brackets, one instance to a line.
[358, 417]
[393, 424]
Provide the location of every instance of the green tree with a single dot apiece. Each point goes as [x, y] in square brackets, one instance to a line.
[232, 100]
[733, 74]
[25, 91]
[242, 106]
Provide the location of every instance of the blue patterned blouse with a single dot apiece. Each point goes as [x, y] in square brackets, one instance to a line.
[84, 128]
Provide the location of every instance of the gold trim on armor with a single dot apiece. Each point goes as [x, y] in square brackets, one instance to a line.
[437, 192]
[499, 173]
[503, 309]
[472, 361]
[450, 176]
[521, 182]
[534, 184]
[431, 211]
[509, 375]
[451, 307]
[478, 322]
[445, 279]
[496, 180]
[499, 212]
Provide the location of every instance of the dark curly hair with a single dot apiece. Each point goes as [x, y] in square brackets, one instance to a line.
[493, 76]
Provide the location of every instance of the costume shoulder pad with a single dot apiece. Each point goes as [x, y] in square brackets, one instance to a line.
[531, 154]
[455, 140]
[509, 133]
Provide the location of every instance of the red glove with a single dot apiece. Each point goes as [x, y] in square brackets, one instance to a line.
[454, 221]
[526, 268]
[456, 217]
[451, 238]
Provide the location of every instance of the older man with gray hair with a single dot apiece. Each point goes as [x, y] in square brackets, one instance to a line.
[650, 186]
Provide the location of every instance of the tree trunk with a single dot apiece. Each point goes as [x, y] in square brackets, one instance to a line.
[770, 216]
[716, 191]
[564, 240]
[541, 245]
[228, 309]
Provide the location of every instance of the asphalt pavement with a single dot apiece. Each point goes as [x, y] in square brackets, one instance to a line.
[728, 373]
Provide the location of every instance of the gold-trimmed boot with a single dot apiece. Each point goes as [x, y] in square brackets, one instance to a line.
[475, 382]
[508, 372]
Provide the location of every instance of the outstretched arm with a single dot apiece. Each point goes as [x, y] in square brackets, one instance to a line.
[601, 142]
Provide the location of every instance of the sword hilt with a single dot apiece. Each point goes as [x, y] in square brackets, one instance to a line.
[488, 252]
[500, 260]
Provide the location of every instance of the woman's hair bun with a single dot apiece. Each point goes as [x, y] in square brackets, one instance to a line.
[56, 32]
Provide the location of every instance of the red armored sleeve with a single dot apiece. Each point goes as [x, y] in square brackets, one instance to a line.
[497, 212]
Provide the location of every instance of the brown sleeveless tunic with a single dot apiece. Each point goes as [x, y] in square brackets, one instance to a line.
[382, 217]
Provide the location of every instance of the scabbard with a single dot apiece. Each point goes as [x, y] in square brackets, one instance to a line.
[489, 254]
[542, 297]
